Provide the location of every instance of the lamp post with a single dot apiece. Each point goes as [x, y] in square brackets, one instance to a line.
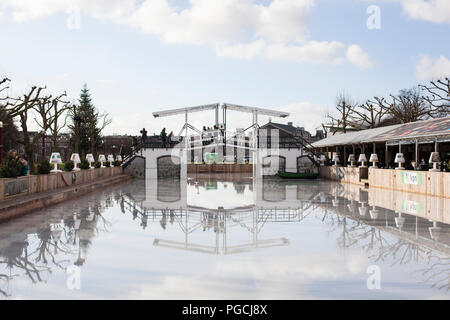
[400, 159]
[114, 149]
[102, 159]
[322, 160]
[435, 159]
[335, 159]
[75, 157]
[363, 159]
[1, 142]
[55, 159]
[374, 159]
[352, 160]
[43, 147]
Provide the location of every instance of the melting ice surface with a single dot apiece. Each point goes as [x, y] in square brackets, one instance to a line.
[230, 237]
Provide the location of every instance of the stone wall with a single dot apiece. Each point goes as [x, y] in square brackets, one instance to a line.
[136, 167]
[16, 187]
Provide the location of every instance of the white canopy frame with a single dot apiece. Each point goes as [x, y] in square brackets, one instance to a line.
[255, 111]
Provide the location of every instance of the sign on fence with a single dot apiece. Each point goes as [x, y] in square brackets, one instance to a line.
[413, 207]
[414, 178]
[211, 158]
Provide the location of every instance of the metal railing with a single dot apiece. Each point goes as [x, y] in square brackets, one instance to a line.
[221, 138]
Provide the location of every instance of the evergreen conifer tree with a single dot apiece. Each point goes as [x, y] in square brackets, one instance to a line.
[85, 128]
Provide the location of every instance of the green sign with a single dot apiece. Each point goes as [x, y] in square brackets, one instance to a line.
[211, 158]
[211, 185]
[414, 178]
[409, 206]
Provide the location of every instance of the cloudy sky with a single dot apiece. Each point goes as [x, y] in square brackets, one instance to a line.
[141, 56]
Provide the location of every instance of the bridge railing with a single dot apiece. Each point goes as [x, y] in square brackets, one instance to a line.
[227, 139]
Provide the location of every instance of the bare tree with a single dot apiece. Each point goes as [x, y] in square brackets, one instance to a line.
[104, 121]
[342, 121]
[50, 110]
[408, 106]
[368, 115]
[3, 87]
[10, 132]
[20, 107]
[438, 95]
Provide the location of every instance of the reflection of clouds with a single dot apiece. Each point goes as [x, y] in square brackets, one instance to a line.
[53, 289]
[288, 277]
[305, 267]
[222, 197]
[317, 264]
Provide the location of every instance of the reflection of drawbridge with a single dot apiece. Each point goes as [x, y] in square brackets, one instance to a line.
[221, 221]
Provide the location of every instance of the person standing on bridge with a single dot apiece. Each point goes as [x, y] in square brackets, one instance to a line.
[144, 135]
[170, 137]
[203, 135]
[163, 137]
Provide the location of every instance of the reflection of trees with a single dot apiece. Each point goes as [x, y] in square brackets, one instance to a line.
[401, 252]
[43, 249]
[4, 278]
[356, 233]
[353, 232]
[16, 256]
[56, 243]
[438, 272]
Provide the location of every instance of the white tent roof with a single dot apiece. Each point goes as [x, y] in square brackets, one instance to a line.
[353, 137]
[438, 129]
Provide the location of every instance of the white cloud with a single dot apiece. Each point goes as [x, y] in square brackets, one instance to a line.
[429, 68]
[24, 10]
[284, 20]
[287, 277]
[240, 29]
[311, 115]
[437, 11]
[241, 51]
[219, 22]
[206, 21]
[356, 55]
[312, 51]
